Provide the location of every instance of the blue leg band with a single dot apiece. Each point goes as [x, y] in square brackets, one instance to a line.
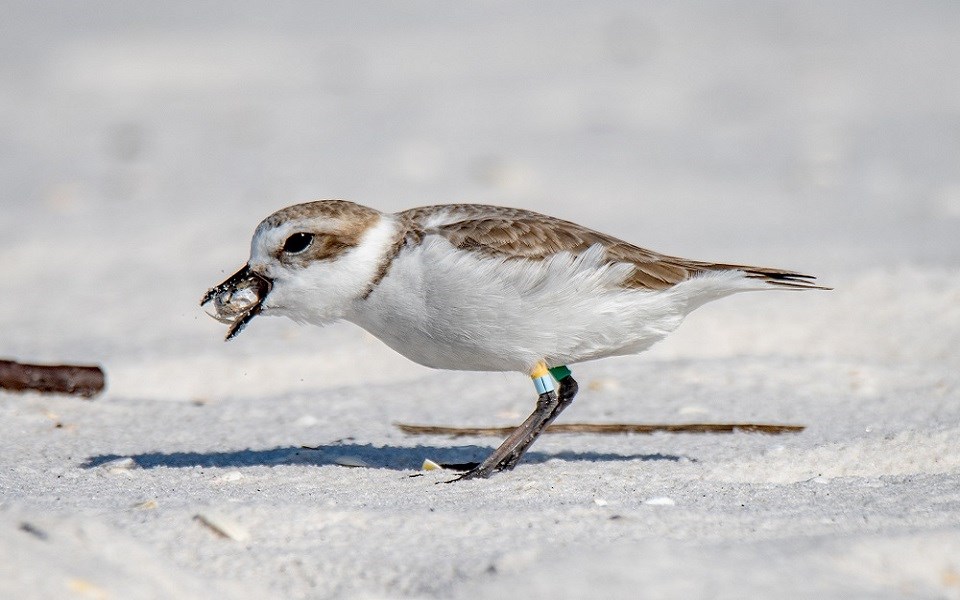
[543, 384]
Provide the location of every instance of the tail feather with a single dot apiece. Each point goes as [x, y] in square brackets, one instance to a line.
[783, 279]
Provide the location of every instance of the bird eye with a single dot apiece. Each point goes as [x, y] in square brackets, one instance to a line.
[298, 242]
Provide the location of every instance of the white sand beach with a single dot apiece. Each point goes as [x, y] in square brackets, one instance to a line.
[143, 144]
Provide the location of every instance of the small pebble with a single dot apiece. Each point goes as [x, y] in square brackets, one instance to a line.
[86, 589]
[350, 461]
[119, 466]
[120, 463]
[146, 505]
[603, 384]
[429, 465]
[232, 476]
[599, 501]
[660, 501]
[306, 421]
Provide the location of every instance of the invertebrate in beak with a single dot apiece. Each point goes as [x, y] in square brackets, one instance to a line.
[238, 299]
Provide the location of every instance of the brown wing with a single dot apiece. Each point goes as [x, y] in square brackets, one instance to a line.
[516, 233]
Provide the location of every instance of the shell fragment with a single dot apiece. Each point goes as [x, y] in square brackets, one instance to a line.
[429, 465]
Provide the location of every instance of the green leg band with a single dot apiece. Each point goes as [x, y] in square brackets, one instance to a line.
[559, 373]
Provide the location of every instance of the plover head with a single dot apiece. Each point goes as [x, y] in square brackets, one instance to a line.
[308, 262]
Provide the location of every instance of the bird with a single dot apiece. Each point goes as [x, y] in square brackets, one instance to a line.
[477, 287]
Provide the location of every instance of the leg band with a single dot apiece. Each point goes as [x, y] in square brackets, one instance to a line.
[541, 379]
[543, 384]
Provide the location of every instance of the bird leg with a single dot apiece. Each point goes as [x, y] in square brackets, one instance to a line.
[549, 405]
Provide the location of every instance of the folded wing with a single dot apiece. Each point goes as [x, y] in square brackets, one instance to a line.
[521, 234]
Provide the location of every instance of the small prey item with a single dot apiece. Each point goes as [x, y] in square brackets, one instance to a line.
[238, 299]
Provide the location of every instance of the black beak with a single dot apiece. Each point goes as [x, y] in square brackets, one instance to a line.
[244, 278]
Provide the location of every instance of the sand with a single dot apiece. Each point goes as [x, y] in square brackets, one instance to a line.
[144, 146]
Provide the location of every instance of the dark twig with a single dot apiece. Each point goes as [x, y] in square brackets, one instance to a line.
[606, 428]
[78, 380]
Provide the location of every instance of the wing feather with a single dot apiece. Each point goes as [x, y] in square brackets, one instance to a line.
[524, 234]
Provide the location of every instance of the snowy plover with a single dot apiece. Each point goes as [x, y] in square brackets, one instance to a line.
[477, 288]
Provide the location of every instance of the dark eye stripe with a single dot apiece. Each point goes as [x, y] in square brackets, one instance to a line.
[298, 242]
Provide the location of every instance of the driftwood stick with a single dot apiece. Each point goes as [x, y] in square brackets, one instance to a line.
[606, 428]
[78, 380]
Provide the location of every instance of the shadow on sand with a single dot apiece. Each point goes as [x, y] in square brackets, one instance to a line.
[401, 458]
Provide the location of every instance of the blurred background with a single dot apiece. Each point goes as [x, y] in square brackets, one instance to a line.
[143, 142]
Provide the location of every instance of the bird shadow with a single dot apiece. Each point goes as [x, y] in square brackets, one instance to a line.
[400, 458]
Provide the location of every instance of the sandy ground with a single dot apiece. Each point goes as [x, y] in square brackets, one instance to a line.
[141, 145]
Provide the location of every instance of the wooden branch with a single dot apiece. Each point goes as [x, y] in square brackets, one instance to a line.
[606, 428]
[78, 380]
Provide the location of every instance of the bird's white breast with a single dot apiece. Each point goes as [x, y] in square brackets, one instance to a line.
[456, 309]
